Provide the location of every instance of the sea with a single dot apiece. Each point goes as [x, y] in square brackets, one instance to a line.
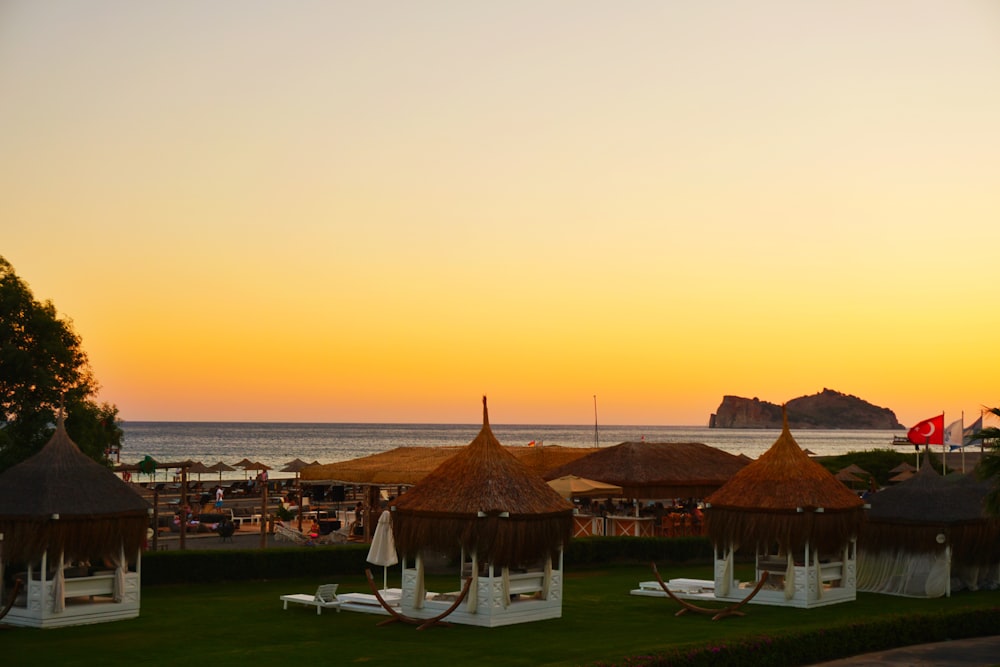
[277, 444]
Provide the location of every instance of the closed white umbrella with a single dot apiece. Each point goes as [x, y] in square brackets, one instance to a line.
[383, 549]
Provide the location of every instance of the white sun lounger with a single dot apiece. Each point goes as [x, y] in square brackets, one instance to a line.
[325, 598]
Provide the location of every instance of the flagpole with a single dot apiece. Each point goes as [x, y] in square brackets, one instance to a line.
[963, 443]
[596, 441]
[944, 451]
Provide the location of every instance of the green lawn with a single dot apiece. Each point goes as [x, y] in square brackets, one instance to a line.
[243, 624]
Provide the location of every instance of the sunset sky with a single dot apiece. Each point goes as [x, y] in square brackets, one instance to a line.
[380, 211]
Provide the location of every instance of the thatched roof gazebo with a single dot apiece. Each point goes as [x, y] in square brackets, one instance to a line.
[507, 526]
[483, 500]
[648, 470]
[60, 506]
[794, 514]
[926, 532]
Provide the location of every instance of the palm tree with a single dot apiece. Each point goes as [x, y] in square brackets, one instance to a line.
[989, 467]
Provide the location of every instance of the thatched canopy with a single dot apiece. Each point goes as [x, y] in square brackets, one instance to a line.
[485, 501]
[62, 500]
[405, 466]
[657, 469]
[784, 497]
[544, 459]
[910, 515]
[400, 466]
[902, 476]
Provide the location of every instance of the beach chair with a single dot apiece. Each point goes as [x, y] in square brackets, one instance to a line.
[325, 598]
[290, 535]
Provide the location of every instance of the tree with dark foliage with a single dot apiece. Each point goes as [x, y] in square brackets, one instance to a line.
[43, 367]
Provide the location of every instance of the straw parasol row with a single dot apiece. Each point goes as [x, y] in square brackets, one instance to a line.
[60, 500]
[784, 497]
[657, 469]
[485, 501]
[911, 515]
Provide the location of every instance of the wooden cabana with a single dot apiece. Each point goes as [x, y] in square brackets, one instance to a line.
[929, 535]
[506, 526]
[72, 534]
[801, 523]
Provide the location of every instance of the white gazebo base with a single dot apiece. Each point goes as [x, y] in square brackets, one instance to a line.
[495, 598]
[87, 600]
[804, 582]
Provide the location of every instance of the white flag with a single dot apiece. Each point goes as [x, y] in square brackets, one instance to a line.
[953, 434]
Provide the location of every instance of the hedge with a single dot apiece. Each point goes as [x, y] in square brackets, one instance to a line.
[203, 566]
[813, 646]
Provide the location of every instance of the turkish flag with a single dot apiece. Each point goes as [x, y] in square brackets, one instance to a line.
[928, 432]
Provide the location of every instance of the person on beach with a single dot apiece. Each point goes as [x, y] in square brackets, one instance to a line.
[218, 497]
[358, 516]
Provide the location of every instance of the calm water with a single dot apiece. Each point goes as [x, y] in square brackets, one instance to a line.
[276, 444]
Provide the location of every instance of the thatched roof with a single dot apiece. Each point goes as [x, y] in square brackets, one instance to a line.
[910, 515]
[784, 497]
[483, 500]
[62, 500]
[399, 466]
[657, 469]
[544, 459]
[902, 476]
[405, 466]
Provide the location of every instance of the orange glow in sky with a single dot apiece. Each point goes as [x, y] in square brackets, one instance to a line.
[356, 212]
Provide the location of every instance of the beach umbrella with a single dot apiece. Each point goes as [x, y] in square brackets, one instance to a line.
[198, 467]
[902, 476]
[295, 466]
[571, 486]
[848, 477]
[257, 466]
[243, 464]
[383, 549]
[857, 470]
[220, 467]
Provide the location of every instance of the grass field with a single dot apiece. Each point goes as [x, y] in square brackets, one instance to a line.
[243, 624]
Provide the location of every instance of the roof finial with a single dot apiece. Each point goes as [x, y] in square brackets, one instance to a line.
[61, 412]
[486, 415]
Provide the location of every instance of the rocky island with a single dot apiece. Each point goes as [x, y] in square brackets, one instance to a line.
[828, 409]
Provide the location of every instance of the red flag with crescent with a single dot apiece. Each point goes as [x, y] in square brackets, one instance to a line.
[928, 432]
